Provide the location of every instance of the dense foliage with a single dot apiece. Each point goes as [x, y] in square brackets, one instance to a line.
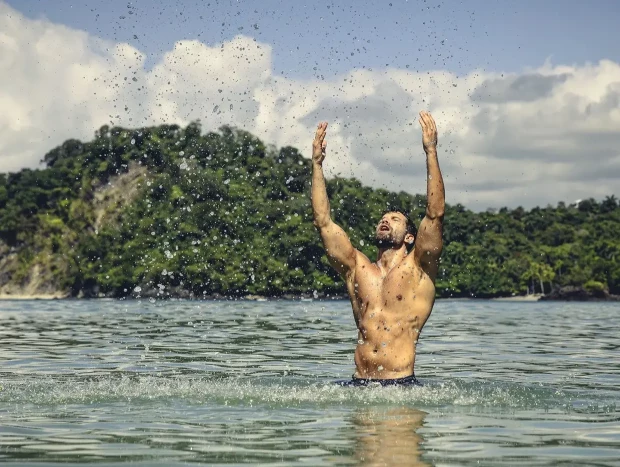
[222, 213]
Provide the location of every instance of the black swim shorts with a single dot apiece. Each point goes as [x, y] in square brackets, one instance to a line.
[355, 382]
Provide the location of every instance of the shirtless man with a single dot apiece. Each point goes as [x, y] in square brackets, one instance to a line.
[393, 297]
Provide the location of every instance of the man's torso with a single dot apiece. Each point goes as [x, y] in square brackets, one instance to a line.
[390, 310]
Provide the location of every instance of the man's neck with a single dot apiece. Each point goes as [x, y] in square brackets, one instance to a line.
[388, 258]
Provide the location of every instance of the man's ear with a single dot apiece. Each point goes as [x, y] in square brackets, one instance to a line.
[409, 238]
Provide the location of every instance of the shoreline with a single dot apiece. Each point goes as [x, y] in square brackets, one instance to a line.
[249, 298]
[257, 298]
[54, 296]
[520, 298]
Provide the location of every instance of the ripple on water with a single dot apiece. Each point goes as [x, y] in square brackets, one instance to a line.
[245, 382]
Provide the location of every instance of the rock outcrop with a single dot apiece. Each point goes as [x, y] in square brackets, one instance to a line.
[579, 294]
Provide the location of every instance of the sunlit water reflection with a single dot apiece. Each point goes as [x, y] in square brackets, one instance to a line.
[250, 382]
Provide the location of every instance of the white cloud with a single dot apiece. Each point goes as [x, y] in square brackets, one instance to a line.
[533, 138]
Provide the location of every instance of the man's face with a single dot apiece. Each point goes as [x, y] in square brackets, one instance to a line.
[391, 230]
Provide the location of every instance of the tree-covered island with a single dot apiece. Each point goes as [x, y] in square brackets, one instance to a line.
[168, 211]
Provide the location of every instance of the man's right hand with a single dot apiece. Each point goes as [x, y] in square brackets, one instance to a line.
[429, 131]
[319, 144]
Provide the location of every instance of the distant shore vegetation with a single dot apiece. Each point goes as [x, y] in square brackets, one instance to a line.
[169, 211]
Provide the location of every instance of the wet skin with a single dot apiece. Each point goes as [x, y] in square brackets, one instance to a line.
[391, 298]
[390, 307]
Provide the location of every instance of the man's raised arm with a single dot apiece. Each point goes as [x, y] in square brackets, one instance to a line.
[429, 243]
[340, 252]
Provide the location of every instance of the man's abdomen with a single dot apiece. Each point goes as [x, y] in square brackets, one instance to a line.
[386, 346]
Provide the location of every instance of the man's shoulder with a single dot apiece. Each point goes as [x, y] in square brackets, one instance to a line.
[413, 261]
[427, 270]
[363, 265]
[361, 259]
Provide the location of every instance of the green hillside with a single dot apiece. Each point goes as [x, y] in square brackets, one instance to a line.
[171, 211]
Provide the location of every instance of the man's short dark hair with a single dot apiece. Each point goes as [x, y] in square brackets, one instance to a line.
[411, 228]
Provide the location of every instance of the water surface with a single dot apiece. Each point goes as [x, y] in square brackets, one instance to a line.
[236, 382]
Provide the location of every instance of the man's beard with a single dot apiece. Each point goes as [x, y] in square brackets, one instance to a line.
[385, 242]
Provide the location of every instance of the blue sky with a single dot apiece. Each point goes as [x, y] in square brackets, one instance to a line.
[335, 36]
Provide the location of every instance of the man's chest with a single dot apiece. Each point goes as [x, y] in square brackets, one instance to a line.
[401, 284]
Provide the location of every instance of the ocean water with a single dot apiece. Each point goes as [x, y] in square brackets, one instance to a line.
[244, 382]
